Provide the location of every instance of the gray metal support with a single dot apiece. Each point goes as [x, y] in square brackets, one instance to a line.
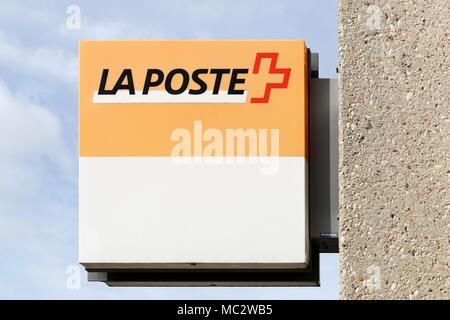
[323, 164]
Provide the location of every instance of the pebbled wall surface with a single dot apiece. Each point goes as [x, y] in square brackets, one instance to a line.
[394, 82]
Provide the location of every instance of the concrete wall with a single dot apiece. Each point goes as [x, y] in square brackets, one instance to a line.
[394, 149]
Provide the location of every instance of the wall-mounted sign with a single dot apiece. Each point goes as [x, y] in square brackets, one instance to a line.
[193, 156]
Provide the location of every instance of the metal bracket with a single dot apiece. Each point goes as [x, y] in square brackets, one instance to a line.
[210, 277]
[323, 161]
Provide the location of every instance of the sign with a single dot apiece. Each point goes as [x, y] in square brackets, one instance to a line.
[193, 155]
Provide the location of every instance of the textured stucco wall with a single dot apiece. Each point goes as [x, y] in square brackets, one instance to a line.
[394, 149]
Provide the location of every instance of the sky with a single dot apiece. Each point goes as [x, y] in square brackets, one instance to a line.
[39, 127]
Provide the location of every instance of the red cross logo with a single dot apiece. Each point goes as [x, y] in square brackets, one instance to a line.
[286, 72]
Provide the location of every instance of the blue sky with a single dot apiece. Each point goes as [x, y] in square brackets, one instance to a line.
[39, 127]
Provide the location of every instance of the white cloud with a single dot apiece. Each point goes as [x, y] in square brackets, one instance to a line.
[41, 61]
[29, 133]
[108, 31]
[15, 10]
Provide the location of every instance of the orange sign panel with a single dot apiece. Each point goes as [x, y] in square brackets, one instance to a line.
[134, 94]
